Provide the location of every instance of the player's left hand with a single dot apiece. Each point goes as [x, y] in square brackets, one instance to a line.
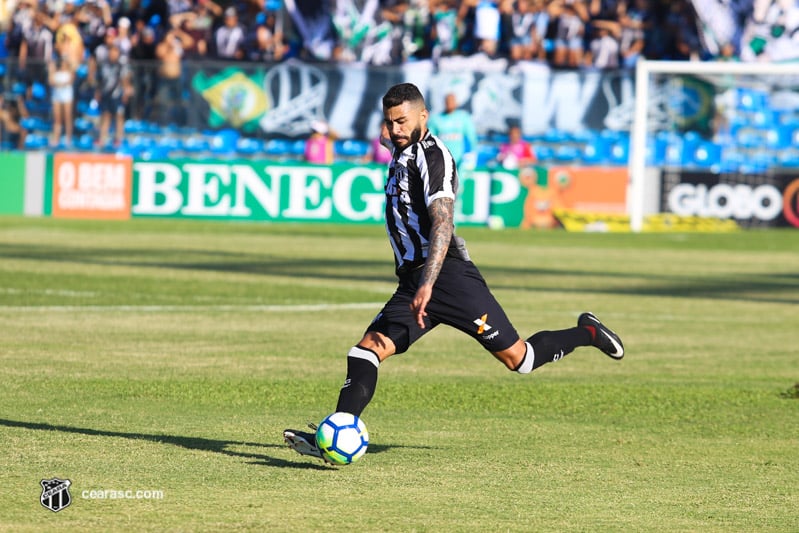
[419, 303]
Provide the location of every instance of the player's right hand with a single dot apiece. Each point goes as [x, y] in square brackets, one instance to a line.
[419, 303]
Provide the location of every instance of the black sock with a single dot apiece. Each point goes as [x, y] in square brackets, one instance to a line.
[550, 346]
[359, 387]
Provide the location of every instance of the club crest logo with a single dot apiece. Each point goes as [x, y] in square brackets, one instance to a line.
[55, 494]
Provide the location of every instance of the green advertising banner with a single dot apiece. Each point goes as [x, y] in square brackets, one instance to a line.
[298, 192]
[12, 183]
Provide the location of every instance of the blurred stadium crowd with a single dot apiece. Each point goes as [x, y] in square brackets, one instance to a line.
[75, 54]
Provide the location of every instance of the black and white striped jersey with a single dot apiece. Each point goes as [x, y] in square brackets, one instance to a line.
[421, 173]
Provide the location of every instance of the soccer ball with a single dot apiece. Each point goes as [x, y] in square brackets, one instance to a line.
[342, 438]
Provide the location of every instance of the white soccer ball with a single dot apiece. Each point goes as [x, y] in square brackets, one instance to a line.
[496, 222]
[342, 438]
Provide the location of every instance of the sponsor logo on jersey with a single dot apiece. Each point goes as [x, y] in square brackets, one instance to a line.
[490, 336]
[482, 324]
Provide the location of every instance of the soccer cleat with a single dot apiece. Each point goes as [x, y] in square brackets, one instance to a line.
[302, 442]
[601, 336]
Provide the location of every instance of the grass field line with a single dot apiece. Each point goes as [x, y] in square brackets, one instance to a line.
[187, 308]
[49, 292]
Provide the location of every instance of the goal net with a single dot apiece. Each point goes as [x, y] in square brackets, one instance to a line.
[715, 141]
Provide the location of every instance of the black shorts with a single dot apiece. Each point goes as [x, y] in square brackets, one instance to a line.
[111, 104]
[460, 299]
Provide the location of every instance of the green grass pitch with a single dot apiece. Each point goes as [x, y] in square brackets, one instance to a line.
[167, 357]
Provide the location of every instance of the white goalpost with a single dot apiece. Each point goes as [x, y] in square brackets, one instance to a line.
[659, 89]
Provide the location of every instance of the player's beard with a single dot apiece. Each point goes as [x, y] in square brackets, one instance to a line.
[415, 137]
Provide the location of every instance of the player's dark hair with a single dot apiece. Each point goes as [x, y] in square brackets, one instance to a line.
[401, 93]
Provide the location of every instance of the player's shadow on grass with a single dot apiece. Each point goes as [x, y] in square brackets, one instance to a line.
[767, 288]
[224, 447]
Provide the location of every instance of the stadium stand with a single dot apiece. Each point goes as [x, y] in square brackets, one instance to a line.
[399, 33]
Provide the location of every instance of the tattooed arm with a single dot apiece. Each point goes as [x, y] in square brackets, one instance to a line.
[442, 214]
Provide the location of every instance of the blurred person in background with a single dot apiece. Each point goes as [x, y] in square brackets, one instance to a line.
[152, 13]
[12, 112]
[142, 58]
[516, 152]
[417, 30]
[605, 9]
[378, 151]
[634, 21]
[100, 54]
[169, 91]
[370, 31]
[36, 49]
[266, 44]
[445, 32]
[603, 49]
[61, 78]
[68, 40]
[526, 42]
[114, 88]
[20, 22]
[455, 127]
[178, 7]
[123, 37]
[229, 38]
[569, 17]
[312, 28]
[467, 41]
[685, 35]
[199, 24]
[541, 43]
[319, 145]
[487, 26]
[93, 18]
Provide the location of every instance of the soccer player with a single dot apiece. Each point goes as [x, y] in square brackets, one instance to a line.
[438, 283]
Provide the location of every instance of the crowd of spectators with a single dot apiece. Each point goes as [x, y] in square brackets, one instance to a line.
[565, 33]
[84, 36]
